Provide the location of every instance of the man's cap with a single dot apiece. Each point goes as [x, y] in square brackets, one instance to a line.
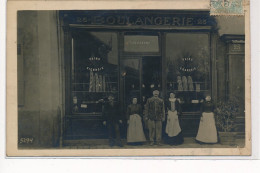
[156, 92]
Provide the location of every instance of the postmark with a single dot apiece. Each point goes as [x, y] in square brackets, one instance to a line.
[226, 7]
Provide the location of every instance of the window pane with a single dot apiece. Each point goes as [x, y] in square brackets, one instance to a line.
[188, 66]
[131, 70]
[94, 70]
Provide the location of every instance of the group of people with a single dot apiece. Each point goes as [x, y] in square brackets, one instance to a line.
[152, 116]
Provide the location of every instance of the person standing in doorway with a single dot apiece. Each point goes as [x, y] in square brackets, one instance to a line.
[112, 118]
[155, 115]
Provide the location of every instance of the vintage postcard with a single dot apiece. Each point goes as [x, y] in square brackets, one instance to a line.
[128, 78]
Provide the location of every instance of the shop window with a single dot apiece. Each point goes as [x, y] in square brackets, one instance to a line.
[94, 71]
[188, 67]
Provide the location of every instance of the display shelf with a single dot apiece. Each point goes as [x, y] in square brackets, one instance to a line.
[196, 87]
[79, 114]
[96, 91]
[186, 91]
[134, 90]
[88, 83]
[91, 102]
[192, 82]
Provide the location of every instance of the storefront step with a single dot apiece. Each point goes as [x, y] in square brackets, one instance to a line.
[83, 142]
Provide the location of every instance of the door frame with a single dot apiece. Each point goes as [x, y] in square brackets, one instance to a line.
[136, 55]
[140, 60]
[122, 91]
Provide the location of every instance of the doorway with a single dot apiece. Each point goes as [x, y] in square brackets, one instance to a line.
[151, 76]
[142, 75]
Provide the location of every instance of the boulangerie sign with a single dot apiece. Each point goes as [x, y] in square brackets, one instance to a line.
[136, 18]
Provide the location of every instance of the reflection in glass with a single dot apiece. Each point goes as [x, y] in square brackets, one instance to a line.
[188, 67]
[94, 70]
[151, 75]
[131, 70]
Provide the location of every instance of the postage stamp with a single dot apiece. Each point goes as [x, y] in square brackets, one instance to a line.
[226, 7]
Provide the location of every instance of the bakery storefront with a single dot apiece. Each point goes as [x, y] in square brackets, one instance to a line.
[126, 53]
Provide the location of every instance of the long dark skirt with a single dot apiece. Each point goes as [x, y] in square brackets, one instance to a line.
[175, 140]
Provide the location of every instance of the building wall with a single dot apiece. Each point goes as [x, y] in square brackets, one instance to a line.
[234, 25]
[221, 63]
[231, 25]
[39, 76]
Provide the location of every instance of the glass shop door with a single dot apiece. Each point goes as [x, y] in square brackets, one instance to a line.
[141, 75]
[151, 76]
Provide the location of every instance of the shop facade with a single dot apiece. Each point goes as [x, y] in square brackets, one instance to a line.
[131, 53]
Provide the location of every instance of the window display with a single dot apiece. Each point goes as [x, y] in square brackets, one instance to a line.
[94, 72]
[188, 68]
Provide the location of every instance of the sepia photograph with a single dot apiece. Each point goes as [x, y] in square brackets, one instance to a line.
[131, 79]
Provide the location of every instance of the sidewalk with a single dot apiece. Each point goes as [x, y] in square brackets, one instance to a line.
[188, 143]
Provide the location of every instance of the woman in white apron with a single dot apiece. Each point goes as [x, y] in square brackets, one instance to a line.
[173, 129]
[135, 133]
[207, 132]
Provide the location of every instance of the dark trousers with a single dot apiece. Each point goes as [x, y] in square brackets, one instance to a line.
[113, 132]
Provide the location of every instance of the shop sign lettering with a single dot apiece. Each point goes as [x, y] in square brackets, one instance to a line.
[141, 43]
[125, 20]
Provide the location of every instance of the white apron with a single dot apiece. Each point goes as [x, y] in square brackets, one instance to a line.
[135, 131]
[172, 126]
[207, 130]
